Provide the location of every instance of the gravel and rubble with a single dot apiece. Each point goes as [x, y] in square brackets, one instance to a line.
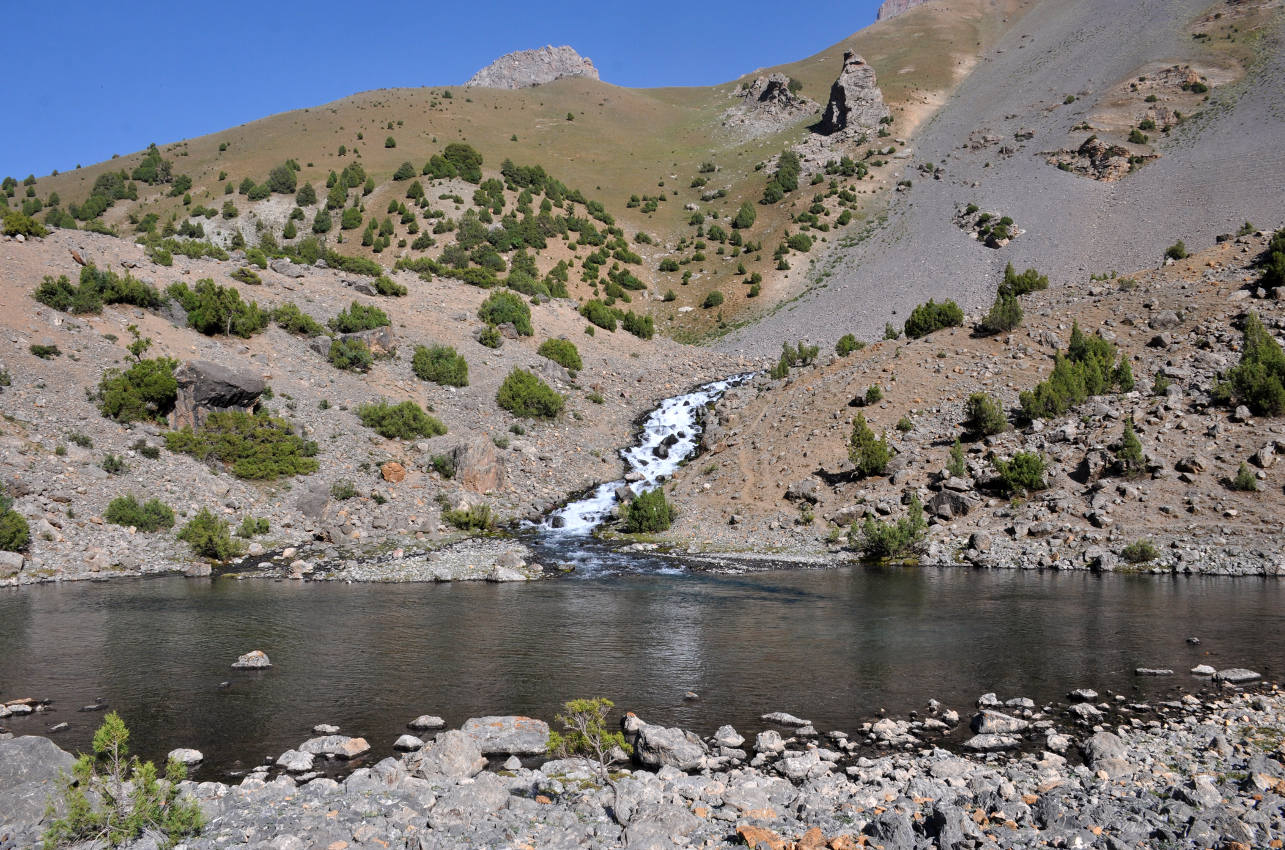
[1188, 773]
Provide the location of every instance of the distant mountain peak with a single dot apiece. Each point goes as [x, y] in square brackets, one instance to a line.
[525, 68]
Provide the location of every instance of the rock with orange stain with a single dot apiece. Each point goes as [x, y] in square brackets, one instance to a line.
[393, 472]
[758, 837]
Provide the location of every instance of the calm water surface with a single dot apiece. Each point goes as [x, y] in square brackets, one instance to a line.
[834, 646]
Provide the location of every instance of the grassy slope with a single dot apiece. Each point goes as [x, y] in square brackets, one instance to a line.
[621, 142]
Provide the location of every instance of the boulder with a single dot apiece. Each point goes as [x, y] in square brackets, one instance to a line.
[1237, 676]
[393, 472]
[989, 743]
[508, 735]
[426, 722]
[855, 100]
[949, 504]
[294, 761]
[726, 736]
[524, 68]
[408, 743]
[284, 267]
[478, 466]
[335, 746]
[30, 770]
[313, 499]
[769, 742]
[205, 388]
[453, 754]
[782, 718]
[808, 490]
[186, 756]
[10, 564]
[255, 659]
[996, 723]
[380, 341]
[657, 746]
[1106, 752]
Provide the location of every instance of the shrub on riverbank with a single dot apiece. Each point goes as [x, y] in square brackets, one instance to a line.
[1023, 474]
[869, 454]
[404, 421]
[14, 533]
[1258, 381]
[257, 447]
[1088, 368]
[112, 798]
[984, 416]
[471, 518]
[648, 513]
[210, 537]
[884, 540]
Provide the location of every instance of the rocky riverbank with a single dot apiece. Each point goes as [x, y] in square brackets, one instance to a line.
[1098, 771]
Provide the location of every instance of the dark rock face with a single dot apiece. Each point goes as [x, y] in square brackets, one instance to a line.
[855, 100]
[205, 387]
[525, 68]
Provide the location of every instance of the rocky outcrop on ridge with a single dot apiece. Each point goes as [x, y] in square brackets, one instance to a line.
[856, 104]
[525, 68]
[767, 106]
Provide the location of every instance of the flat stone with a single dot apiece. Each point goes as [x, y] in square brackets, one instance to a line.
[295, 761]
[988, 743]
[1237, 676]
[325, 729]
[1203, 670]
[1152, 671]
[425, 722]
[782, 718]
[1083, 695]
[995, 723]
[335, 746]
[408, 743]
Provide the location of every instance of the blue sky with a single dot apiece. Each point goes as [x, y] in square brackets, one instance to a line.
[89, 79]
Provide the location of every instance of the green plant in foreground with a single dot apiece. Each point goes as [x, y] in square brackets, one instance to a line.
[350, 354]
[257, 447]
[1129, 457]
[112, 798]
[253, 526]
[648, 513]
[209, 537]
[1258, 381]
[14, 532]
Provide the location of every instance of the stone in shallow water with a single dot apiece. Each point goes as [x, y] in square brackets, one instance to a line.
[425, 722]
[987, 743]
[995, 723]
[408, 743]
[726, 736]
[1237, 675]
[1083, 695]
[1153, 671]
[785, 719]
[1203, 670]
[254, 660]
[325, 729]
[187, 756]
[335, 746]
[295, 761]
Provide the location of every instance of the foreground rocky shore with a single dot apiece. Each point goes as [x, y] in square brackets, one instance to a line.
[1097, 772]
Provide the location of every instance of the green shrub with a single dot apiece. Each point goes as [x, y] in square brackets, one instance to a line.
[1272, 261]
[847, 344]
[246, 276]
[984, 416]
[1129, 457]
[385, 285]
[1087, 369]
[252, 446]
[1005, 315]
[1138, 137]
[1022, 284]
[883, 541]
[144, 392]
[358, 317]
[44, 352]
[350, 354]
[111, 799]
[17, 223]
[890, 332]
[561, 351]
[490, 336]
[957, 467]
[213, 309]
[1023, 474]
[1245, 479]
[471, 518]
[291, 319]
[524, 394]
[643, 327]
[1258, 381]
[932, 316]
[95, 289]
[209, 537]
[403, 421]
[586, 732]
[149, 516]
[599, 314]
[440, 364]
[714, 299]
[905, 424]
[648, 513]
[251, 527]
[745, 216]
[343, 490]
[14, 533]
[501, 307]
[869, 454]
[874, 394]
[114, 464]
[1177, 251]
[1139, 552]
[443, 465]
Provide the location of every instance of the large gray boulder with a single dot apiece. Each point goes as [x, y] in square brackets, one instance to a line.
[454, 754]
[657, 746]
[478, 466]
[508, 735]
[29, 769]
[856, 104]
[205, 388]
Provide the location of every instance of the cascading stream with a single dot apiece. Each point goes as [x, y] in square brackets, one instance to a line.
[670, 434]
